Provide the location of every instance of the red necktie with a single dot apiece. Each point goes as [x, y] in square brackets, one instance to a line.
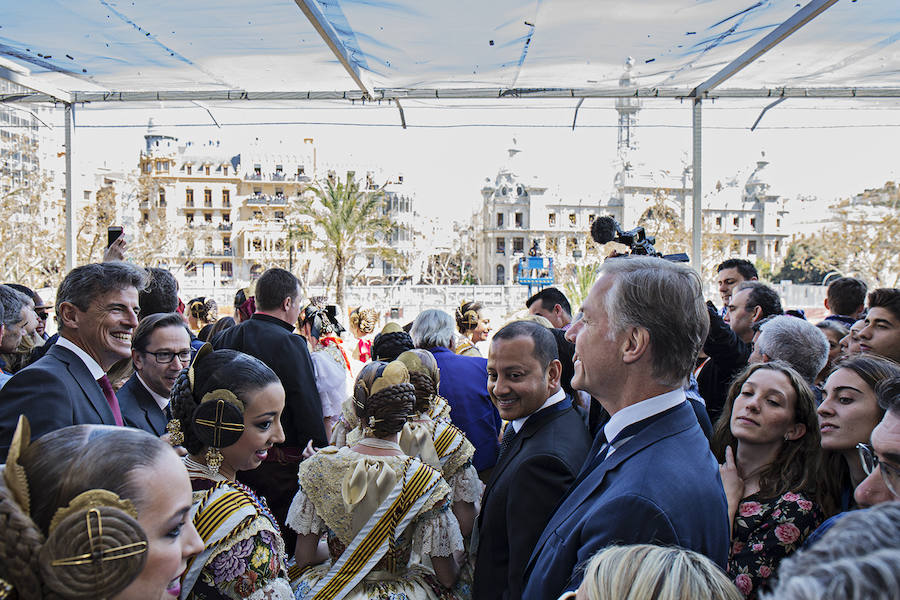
[111, 399]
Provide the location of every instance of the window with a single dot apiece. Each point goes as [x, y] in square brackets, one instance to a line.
[225, 170]
[551, 219]
[162, 197]
[279, 215]
[777, 222]
[501, 245]
[257, 244]
[552, 245]
[519, 220]
[189, 217]
[162, 165]
[189, 169]
[736, 221]
[279, 169]
[206, 169]
[226, 218]
[499, 220]
[591, 218]
[501, 275]
[189, 198]
[207, 198]
[301, 170]
[226, 198]
[572, 219]
[226, 243]
[257, 191]
[718, 221]
[518, 245]
[751, 247]
[279, 193]
[753, 223]
[777, 246]
[227, 269]
[148, 167]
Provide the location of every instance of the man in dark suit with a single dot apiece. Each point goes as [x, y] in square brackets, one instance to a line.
[160, 349]
[463, 384]
[543, 448]
[268, 336]
[650, 476]
[96, 309]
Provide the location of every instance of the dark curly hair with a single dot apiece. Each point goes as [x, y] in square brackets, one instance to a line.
[389, 408]
[387, 346]
[234, 371]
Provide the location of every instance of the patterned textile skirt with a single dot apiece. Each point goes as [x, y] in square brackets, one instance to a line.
[414, 583]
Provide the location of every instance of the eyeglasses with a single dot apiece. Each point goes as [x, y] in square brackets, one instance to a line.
[42, 315]
[889, 473]
[165, 358]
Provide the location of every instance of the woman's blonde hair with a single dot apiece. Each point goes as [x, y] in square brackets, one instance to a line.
[647, 572]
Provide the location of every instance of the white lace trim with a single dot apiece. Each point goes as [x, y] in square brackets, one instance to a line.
[331, 381]
[467, 487]
[302, 516]
[276, 589]
[437, 534]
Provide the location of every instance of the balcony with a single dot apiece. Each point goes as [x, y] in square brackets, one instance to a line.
[266, 199]
[225, 226]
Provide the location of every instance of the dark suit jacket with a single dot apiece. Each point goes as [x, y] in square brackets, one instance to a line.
[139, 409]
[662, 486]
[54, 392]
[464, 385]
[525, 486]
[728, 354]
[270, 340]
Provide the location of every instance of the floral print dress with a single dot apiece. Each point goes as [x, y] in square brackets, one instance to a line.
[766, 531]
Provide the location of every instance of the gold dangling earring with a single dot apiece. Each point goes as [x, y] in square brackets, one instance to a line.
[213, 460]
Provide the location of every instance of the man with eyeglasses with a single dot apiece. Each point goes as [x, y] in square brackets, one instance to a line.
[160, 349]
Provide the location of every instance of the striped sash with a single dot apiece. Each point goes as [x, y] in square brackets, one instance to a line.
[372, 542]
[447, 439]
[223, 511]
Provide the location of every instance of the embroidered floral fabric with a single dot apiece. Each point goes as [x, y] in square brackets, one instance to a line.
[249, 562]
[766, 531]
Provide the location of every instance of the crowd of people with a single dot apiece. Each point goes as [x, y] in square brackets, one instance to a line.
[645, 445]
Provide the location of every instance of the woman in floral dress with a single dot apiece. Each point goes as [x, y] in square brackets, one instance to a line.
[768, 442]
[376, 507]
[227, 408]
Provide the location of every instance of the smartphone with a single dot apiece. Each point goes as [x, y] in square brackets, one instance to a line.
[112, 234]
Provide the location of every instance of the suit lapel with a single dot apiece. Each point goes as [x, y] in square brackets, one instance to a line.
[82, 376]
[677, 421]
[152, 413]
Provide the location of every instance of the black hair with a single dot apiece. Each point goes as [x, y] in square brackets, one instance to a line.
[846, 295]
[160, 295]
[148, 325]
[887, 298]
[549, 298]
[566, 350]
[545, 347]
[762, 296]
[388, 346]
[234, 371]
[274, 286]
[743, 266]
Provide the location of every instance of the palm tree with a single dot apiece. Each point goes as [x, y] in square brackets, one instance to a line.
[353, 222]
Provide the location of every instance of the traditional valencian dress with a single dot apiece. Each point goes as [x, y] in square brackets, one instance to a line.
[243, 555]
[377, 511]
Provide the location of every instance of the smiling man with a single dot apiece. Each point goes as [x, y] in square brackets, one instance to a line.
[543, 447]
[161, 348]
[96, 309]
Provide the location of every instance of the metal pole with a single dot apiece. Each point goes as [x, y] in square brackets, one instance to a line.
[697, 210]
[70, 204]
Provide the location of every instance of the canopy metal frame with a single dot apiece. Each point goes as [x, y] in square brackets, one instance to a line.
[707, 90]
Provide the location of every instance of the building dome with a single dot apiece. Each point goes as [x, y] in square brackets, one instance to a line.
[758, 184]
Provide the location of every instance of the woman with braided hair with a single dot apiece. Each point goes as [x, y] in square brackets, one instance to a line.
[330, 362]
[376, 507]
[227, 408]
[92, 511]
[362, 323]
[473, 327]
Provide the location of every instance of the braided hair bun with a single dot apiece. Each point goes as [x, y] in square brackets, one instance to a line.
[383, 397]
[424, 375]
[364, 319]
[391, 342]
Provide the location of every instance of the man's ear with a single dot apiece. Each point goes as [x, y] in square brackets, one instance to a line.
[554, 373]
[137, 359]
[636, 344]
[827, 307]
[757, 313]
[68, 315]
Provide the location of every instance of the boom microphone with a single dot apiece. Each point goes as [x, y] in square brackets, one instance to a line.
[605, 229]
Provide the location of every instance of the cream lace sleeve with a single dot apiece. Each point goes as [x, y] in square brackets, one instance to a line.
[302, 516]
[467, 487]
[437, 533]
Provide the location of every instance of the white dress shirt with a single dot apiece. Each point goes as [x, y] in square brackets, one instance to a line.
[640, 411]
[161, 401]
[96, 370]
[556, 398]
